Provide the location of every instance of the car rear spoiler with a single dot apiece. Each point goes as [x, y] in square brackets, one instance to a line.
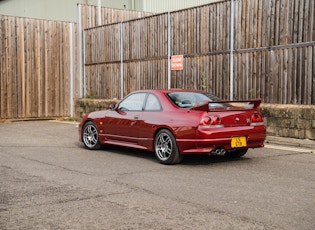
[250, 104]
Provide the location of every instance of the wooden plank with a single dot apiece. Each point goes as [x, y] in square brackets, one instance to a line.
[289, 53]
[313, 78]
[227, 26]
[268, 76]
[312, 21]
[272, 35]
[308, 74]
[305, 22]
[251, 24]
[282, 81]
[263, 75]
[290, 22]
[277, 26]
[301, 21]
[273, 77]
[28, 68]
[9, 77]
[296, 21]
[283, 33]
[2, 66]
[38, 64]
[294, 74]
[46, 67]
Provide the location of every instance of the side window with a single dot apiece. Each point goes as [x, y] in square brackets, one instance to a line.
[152, 103]
[133, 102]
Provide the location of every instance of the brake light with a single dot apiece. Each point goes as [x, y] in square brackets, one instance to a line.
[215, 120]
[208, 121]
[256, 120]
[205, 120]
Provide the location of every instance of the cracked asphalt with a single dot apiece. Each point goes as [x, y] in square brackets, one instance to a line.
[48, 180]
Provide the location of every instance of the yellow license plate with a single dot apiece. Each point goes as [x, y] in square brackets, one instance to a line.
[238, 142]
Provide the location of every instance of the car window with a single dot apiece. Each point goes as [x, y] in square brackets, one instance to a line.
[190, 99]
[133, 102]
[152, 103]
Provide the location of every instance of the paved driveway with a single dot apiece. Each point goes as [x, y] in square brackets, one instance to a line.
[49, 181]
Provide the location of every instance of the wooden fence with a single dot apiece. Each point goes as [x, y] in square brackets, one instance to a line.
[40, 63]
[89, 15]
[274, 55]
[35, 67]
[274, 51]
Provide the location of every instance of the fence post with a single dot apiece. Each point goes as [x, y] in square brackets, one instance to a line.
[121, 62]
[99, 12]
[83, 61]
[231, 52]
[80, 34]
[169, 50]
[71, 67]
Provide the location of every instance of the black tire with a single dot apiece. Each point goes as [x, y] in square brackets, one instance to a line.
[165, 148]
[236, 153]
[90, 136]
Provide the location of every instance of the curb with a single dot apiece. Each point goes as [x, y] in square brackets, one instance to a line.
[303, 143]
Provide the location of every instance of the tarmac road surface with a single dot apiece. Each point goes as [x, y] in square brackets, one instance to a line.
[48, 180]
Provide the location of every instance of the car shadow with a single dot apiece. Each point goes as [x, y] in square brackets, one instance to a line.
[205, 159]
[130, 152]
[193, 159]
[123, 151]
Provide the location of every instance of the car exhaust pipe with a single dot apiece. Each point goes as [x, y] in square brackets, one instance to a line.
[222, 152]
[219, 152]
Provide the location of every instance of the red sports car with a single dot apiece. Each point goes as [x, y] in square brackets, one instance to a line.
[173, 123]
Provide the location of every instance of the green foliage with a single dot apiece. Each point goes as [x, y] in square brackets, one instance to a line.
[203, 81]
[70, 119]
[91, 96]
[251, 94]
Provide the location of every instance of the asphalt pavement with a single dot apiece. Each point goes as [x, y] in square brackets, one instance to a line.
[48, 180]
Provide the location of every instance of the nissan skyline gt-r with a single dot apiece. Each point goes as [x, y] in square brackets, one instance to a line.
[172, 123]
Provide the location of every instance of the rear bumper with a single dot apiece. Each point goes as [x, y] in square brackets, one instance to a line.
[209, 140]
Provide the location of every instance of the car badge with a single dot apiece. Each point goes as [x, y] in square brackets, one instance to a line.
[237, 119]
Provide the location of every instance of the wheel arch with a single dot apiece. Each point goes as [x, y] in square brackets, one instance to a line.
[163, 127]
[84, 123]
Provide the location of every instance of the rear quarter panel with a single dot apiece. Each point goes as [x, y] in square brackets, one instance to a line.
[182, 124]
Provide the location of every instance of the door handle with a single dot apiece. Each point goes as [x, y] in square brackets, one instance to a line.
[136, 117]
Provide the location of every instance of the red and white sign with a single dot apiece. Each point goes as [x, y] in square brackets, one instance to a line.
[177, 62]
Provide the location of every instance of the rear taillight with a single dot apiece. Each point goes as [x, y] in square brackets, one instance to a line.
[207, 121]
[256, 120]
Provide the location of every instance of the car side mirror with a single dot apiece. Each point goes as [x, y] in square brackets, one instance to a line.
[112, 107]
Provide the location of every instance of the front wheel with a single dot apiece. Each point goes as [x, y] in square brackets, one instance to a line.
[90, 136]
[166, 150]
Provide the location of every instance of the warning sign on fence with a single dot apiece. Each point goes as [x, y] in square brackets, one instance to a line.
[177, 62]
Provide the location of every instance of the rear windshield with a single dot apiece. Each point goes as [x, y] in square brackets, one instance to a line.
[190, 99]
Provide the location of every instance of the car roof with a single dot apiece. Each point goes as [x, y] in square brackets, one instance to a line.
[164, 91]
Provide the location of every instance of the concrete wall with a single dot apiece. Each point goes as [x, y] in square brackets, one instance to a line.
[82, 106]
[294, 121]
